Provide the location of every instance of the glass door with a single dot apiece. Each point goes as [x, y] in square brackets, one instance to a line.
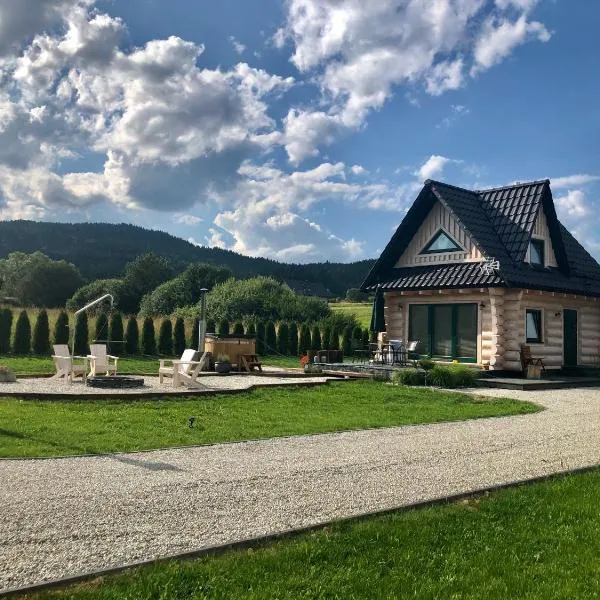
[442, 331]
[466, 332]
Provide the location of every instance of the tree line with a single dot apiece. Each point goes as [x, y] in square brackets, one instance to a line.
[126, 337]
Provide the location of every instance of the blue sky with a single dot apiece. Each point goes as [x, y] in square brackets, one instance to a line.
[300, 130]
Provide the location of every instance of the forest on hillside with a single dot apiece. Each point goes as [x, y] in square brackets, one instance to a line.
[101, 250]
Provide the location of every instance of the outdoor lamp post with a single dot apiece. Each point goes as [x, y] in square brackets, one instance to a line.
[202, 322]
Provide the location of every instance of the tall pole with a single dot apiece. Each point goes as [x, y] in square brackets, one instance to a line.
[202, 322]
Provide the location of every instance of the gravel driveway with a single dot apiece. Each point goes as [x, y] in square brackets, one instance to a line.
[61, 517]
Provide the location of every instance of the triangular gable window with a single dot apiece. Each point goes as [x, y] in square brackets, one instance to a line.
[441, 242]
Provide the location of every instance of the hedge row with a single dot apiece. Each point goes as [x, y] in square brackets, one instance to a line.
[288, 339]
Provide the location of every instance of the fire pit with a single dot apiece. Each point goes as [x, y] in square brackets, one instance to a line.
[115, 381]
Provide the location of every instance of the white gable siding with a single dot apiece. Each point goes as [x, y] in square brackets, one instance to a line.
[439, 218]
[541, 232]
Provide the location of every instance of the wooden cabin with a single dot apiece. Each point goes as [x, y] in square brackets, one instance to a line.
[472, 275]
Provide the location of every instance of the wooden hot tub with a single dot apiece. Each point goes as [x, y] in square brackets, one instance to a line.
[232, 345]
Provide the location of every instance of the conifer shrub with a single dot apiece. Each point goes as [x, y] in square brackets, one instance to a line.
[101, 327]
[41, 334]
[366, 337]
[260, 337]
[179, 340]
[165, 338]
[283, 339]
[211, 327]
[270, 338]
[82, 335]
[304, 341]
[238, 328]
[223, 328]
[347, 341]
[334, 339]
[326, 337]
[194, 339]
[22, 342]
[116, 333]
[132, 336]
[316, 338]
[293, 343]
[357, 335]
[61, 328]
[148, 337]
[6, 319]
[251, 329]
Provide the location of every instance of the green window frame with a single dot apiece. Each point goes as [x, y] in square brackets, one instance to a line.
[537, 251]
[455, 320]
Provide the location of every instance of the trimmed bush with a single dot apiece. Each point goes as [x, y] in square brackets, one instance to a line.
[260, 337]
[426, 364]
[6, 319]
[366, 337]
[223, 328]
[440, 377]
[22, 342]
[116, 333]
[316, 339]
[464, 376]
[165, 338]
[179, 340]
[61, 328]
[283, 339]
[409, 377]
[101, 327]
[270, 338]
[132, 336]
[334, 339]
[326, 337]
[304, 341]
[238, 329]
[196, 333]
[82, 335]
[357, 334]
[251, 329]
[347, 341]
[211, 327]
[293, 340]
[148, 337]
[41, 334]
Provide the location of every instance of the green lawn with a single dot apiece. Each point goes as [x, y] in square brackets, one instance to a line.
[52, 428]
[362, 310]
[41, 365]
[540, 541]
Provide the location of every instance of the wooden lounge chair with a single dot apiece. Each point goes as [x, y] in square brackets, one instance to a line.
[527, 359]
[183, 371]
[100, 361]
[412, 354]
[65, 365]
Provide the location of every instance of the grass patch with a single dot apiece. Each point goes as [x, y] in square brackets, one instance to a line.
[52, 428]
[540, 541]
[361, 310]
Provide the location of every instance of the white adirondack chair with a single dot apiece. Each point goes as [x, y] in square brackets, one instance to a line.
[183, 371]
[100, 361]
[65, 365]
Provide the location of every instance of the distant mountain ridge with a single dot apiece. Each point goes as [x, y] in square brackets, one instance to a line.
[101, 250]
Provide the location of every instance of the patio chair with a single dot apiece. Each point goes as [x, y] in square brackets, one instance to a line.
[100, 361]
[527, 359]
[183, 371]
[411, 352]
[64, 363]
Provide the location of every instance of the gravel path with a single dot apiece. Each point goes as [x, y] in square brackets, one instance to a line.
[61, 517]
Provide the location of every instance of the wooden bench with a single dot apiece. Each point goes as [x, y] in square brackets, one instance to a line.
[250, 362]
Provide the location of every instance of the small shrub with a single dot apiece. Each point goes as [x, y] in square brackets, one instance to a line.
[464, 376]
[347, 341]
[409, 377]
[316, 339]
[132, 336]
[223, 328]
[41, 334]
[326, 338]
[82, 335]
[179, 340]
[334, 338]
[251, 329]
[440, 377]
[165, 338]
[283, 338]
[260, 337]
[196, 332]
[426, 364]
[293, 340]
[211, 327]
[148, 337]
[6, 319]
[116, 333]
[366, 337]
[270, 338]
[304, 341]
[238, 329]
[22, 343]
[61, 328]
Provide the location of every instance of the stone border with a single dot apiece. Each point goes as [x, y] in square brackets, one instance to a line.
[261, 541]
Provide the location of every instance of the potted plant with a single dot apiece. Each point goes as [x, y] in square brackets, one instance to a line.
[223, 363]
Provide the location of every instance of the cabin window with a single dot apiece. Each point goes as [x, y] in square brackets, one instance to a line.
[441, 242]
[533, 325]
[536, 252]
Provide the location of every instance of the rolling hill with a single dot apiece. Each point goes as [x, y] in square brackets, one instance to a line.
[101, 250]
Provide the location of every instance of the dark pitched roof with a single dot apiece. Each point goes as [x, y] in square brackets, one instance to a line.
[500, 222]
